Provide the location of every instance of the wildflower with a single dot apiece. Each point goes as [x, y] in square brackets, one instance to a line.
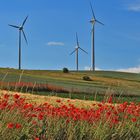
[94, 104]
[41, 116]
[100, 105]
[33, 115]
[27, 106]
[108, 114]
[18, 126]
[34, 122]
[67, 121]
[133, 119]
[10, 125]
[115, 120]
[6, 96]
[110, 100]
[58, 101]
[68, 100]
[16, 96]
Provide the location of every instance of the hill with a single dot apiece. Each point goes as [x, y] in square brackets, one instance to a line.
[101, 81]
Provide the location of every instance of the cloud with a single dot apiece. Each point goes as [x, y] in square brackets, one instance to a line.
[53, 43]
[89, 68]
[131, 70]
[134, 7]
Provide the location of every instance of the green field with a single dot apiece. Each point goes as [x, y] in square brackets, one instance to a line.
[102, 81]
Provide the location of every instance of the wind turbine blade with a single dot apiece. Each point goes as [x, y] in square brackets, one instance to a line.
[13, 26]
[77, 41]
[99, 22]
[73, 52]
[92, 10]
[83, 50]
[24, 36]
[24, 21]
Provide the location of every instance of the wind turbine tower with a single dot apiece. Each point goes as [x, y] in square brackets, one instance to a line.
[93, 21]
[21, 31]
[77, 52]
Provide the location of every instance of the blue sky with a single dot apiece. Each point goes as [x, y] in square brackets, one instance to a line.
[51, 28]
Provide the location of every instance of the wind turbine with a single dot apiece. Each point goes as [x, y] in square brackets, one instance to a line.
[77, 52]
[21, 31]
[93, 21]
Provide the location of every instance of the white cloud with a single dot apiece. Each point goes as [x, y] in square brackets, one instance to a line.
[134, 7]
[131, 70]
[53, 43]
[89, 68]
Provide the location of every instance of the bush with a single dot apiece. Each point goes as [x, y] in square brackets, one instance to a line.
[87, 78]
[65, 70]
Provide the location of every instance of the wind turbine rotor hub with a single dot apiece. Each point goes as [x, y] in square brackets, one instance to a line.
[93, 21]
[20, 28]
[76, 47]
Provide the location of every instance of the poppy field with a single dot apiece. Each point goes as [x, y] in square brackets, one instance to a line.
[22, 119]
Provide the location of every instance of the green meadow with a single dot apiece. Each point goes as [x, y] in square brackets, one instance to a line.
[124, 85]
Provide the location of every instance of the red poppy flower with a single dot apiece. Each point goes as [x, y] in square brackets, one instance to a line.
[58, 101]
[133, 119]
[16, 96]
[6, 96]
[18, 125]
[110, 100]
[10, 125]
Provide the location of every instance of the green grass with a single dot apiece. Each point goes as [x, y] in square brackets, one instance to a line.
[82, 96]
[117, 82]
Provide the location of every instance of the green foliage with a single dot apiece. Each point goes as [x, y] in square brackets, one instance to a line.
[87, 78]
[65, 70]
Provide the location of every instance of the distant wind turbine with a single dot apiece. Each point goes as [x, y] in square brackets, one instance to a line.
[77, 52]
[93, 22]
[21, 31]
